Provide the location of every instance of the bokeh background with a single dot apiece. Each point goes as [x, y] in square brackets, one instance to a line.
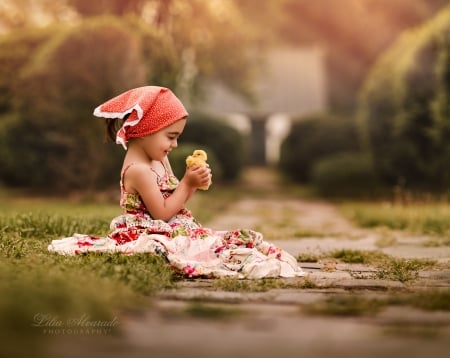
[349, 96]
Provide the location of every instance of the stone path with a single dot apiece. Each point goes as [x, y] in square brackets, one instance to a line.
[197, 319]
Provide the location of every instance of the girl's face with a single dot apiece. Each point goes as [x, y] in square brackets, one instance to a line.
[158, 145]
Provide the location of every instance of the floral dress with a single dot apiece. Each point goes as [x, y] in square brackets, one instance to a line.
[190, 249]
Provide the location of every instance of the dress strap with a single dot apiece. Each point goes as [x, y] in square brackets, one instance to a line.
[156, 173]
[164, 166]
[160, 179]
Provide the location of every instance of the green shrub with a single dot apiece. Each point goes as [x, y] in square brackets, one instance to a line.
[55, 143]
[313, 138]
[16, 50]
[405, 111]
[344, 174]
[222, 141]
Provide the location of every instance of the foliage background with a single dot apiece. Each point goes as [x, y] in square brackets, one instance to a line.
[60, 59]
[405, 108]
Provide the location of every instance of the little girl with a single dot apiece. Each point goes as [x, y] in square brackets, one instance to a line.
[148, 121]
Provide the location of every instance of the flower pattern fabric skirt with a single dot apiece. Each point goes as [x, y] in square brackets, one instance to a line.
[189, 248]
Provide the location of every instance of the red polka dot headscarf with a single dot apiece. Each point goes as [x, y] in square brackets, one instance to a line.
[151, 109]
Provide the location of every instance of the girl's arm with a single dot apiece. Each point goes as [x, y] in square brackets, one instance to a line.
[140, 179]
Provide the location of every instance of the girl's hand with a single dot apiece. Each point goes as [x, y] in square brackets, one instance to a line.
[196, 177]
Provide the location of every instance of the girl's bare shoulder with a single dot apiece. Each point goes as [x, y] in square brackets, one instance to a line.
[136, 174]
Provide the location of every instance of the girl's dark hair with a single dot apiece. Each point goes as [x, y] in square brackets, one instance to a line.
[112, 126]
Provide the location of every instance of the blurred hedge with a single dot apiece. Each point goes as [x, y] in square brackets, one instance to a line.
[346, 175]
[51, 141]
[313, 138]
[224, 143]
[405, 108]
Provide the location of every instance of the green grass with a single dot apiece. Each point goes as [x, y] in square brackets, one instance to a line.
[360, 256]
[403, 270]
[388, 267]
[35, 282]
[261, 285]
[423, 218]
[308, 257]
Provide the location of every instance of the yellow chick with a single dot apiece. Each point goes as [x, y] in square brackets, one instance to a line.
[198, 158]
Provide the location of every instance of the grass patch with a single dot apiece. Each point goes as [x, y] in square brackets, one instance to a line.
[308, 257]
[359, 256]
[52, 219]
[46, 225]
[403, 269]
[388, 267]
[35, 282]
[38, 286]
[422, 218]
[145, 274]
[261, 285]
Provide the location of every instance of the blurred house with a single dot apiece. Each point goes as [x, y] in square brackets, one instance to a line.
[292, 85]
